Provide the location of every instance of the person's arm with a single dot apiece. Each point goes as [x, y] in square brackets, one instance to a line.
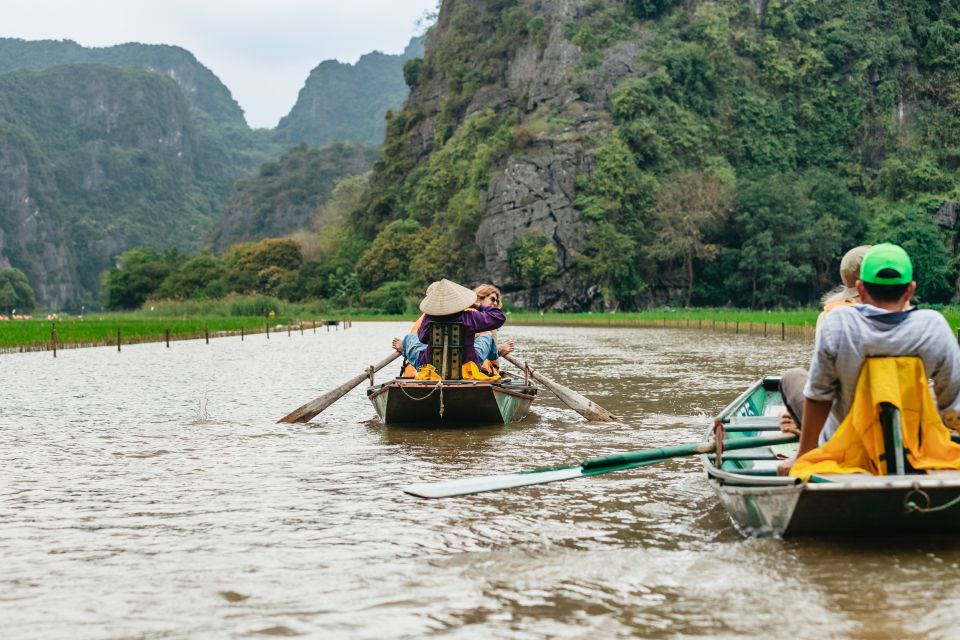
[815, 414]
[483, 319]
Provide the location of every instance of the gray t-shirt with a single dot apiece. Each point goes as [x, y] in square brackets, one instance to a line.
[851, 334]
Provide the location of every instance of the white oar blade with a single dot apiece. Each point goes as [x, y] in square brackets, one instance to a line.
[467, 486]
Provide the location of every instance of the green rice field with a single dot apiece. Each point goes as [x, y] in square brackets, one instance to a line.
[101, 328]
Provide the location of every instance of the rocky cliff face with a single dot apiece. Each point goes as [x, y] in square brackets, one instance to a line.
[201, 87]
[348, 101]
[33, 236]
[285, 194]
[94, 160]
[563, 107]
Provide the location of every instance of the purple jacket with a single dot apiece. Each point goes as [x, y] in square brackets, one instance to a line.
[483, 319]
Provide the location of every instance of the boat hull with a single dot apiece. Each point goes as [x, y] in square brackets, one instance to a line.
[453, 402]
[763, 504]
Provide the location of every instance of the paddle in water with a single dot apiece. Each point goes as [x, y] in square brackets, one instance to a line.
[584, 406]
[309, 411]
[589, 467]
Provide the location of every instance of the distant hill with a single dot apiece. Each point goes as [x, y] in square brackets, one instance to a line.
[96, 159]
[104, 149]
[285, 194]
[201, 87]
[348, 101]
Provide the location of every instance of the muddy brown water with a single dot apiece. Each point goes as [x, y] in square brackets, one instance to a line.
[149, 494]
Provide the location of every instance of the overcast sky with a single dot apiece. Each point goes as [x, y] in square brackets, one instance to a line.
[263, 50]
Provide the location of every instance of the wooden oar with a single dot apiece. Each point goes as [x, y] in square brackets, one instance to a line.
[309, 411]
[584, 406]
[590, 467]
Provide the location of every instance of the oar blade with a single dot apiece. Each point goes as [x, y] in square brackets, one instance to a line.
[582, 405]
[309, 411]
[468, 486]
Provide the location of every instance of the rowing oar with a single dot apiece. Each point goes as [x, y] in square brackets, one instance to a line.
[590, 467]
[584, 406]
[309, 411]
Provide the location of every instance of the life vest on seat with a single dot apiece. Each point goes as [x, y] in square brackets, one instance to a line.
[859, 446]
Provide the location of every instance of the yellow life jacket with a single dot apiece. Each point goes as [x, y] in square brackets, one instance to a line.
[857, 445]
[468, 371]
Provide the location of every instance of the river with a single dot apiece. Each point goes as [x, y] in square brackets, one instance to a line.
[150, 494]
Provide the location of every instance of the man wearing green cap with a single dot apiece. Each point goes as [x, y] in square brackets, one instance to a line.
[883, 325]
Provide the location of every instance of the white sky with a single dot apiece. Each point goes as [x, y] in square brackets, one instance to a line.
[262, 50]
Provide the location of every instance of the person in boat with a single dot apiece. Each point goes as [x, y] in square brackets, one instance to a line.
[485, 343]
[883, 324]
[447, 301]
[846, 295]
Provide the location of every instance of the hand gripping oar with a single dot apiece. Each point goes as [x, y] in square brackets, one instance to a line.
[584, 406]
[590, 467]
[309, 411]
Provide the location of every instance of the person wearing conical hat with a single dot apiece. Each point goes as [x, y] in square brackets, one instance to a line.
[447, 301]
[485, 343]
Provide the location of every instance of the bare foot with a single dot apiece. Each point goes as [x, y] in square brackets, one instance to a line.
[505, 348]
[396, 344]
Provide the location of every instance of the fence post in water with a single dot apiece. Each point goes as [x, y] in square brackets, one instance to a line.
[118, 339]
[241, 333]
[266, 324]
[301, 327]
[53, 339]
[206, 332]
[166, 336]
[738, 326]
[764, 329]
[314, 326]
[783, 331]
[288, 329]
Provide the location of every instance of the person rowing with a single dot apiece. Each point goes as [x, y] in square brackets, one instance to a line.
[448, 302]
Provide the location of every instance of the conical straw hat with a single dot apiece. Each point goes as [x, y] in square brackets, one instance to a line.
[446, 297]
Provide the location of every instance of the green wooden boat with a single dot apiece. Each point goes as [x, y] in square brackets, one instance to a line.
[451, 402]
[762, 504]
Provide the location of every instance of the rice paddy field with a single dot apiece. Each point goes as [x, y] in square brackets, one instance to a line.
[144, 326]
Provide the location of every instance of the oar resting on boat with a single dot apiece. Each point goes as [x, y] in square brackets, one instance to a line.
[589, 467]
[582, 405]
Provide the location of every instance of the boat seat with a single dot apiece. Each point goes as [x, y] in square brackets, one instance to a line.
[446, 348]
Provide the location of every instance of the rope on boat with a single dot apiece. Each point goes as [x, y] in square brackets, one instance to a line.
[439, 386]
[912, 507]
[719, 433]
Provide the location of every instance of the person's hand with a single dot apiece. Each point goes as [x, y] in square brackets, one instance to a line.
[783, 469]
[505, 347]
[787, 425]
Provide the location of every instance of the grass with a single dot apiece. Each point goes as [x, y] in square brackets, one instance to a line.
[145, 326]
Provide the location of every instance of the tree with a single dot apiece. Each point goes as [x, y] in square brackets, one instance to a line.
[388, 258]
[139, 272]
[534, 258]
[198, 277]
[690, 206]
[15, 290]
[916, 231]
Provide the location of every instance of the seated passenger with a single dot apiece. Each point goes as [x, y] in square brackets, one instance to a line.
[447, 301]
[793, 380]
[485, 342]
[882, 325]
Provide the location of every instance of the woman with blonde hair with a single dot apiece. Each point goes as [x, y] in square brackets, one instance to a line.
[484, 342]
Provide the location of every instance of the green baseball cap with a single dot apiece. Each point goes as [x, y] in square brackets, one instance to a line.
[890, 257]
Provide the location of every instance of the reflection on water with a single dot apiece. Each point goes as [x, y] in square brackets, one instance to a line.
[150, 493]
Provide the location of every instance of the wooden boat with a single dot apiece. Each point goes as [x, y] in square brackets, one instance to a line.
[762, 504]
[451, 402]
